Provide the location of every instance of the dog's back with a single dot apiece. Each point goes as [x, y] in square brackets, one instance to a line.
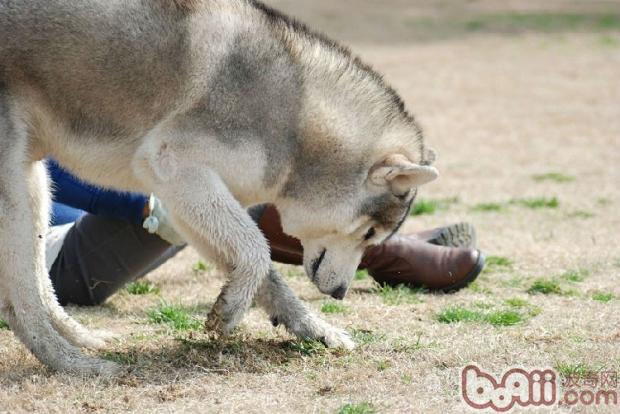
[94, 60]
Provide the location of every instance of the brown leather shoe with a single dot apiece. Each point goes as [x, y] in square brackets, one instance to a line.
[410, 260]
[453, 235]
[406, 260]
[287, 249]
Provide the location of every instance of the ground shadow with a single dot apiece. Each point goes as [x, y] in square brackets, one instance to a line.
[195, 355]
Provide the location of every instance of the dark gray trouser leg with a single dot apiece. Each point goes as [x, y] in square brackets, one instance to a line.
[100, 255]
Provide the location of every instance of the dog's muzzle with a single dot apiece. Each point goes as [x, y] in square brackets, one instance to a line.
[340, 292]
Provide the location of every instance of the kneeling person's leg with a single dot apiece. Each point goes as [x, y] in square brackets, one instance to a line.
[100, 255]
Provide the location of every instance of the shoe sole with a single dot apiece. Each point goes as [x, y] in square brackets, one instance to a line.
[471, 276]
[456, 235]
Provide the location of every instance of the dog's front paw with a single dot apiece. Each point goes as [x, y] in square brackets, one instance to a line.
[337, 338]
[310, 326]
[223, 318]
[214, 325]
[331, 336]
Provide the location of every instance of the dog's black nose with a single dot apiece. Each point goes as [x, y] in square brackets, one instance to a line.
[340, 292]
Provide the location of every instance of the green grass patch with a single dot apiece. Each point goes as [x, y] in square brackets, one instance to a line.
[435, 28]
[456, 314]
[534, 203]
[428, 207]
[504, 318]
[175, 316]
[383, 365]
[402, 344]
[553, 176]
[603, 297]
[424, 207]
[333, 307]
[488, 207]
[399, 295]
[495, 317]
[554, 287]
[537, 203]
[477, 287]
[120, 357]
[200, 267]
[523, 305]
[361, 408]
[516, 282]
[545, 287]
[366, 337]
[307, 348]
[579, 370]
[361, 275]
[543, 22]
[575, 276]
[496, 262]
[607, 40]
[581, 214]
[141, 337]
[534, 311]
[517, 303]
[3, 325]
[575, 293]
[142, 288]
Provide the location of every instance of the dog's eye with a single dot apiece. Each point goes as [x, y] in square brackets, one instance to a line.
[370, 234]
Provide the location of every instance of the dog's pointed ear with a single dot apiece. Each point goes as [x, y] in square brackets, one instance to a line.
[398, 172]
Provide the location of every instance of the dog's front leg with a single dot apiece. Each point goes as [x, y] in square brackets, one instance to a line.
[212, 221]
[283, 307]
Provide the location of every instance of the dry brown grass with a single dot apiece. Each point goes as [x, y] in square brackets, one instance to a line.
[500, 109]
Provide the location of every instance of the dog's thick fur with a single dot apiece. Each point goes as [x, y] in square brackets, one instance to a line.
[214, 105]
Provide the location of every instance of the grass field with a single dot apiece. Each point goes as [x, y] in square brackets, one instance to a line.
[521, 100]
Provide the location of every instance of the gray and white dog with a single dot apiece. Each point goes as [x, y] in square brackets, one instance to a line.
[214, 105]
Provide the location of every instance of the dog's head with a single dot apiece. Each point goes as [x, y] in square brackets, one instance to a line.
[336, 229]
[359, 158]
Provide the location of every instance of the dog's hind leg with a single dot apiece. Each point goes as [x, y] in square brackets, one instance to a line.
[72, 331]
[283, 307]
[24, 284]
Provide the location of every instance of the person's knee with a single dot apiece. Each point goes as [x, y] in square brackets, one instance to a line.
[69, 289]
